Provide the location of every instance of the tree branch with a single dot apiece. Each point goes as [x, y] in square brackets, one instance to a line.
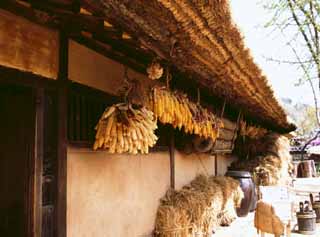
[307, 40]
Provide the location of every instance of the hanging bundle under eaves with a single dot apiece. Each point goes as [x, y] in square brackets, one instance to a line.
[124, 129]
[252, 131]
[176, 109]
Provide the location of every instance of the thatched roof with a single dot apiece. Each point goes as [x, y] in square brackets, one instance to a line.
[200, 39]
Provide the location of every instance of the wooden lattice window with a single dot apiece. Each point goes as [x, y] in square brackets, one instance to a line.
[85, 106]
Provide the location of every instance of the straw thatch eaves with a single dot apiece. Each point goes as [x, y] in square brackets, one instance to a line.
[200, 39]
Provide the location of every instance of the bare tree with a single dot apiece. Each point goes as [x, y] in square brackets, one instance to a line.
[299, 22]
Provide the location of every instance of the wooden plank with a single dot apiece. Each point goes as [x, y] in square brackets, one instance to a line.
[229, 124]
[28, 46]
[16, 77]
[226, 135]
[223, 145]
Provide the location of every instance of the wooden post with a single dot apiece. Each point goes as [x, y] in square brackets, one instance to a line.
[39, 153]
[61, 213]
[172, 160]
[215, 164]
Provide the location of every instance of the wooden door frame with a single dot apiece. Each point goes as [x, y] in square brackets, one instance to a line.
[39, 87]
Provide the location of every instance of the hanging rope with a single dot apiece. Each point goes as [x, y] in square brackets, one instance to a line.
[168, 78]
[127, 85]
[198, 96]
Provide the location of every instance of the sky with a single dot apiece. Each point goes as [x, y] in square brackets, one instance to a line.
[250, 16]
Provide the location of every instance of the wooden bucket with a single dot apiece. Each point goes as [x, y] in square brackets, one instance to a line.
[295, 169]
[306, 169]
[306, 222]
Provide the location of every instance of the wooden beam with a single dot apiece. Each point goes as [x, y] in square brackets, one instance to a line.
[17, 77]
[61, 212]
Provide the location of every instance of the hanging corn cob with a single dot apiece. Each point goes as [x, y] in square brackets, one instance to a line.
[175, 108]
[122, 129]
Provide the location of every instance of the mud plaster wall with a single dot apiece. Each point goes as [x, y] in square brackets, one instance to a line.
[223, 162]
[95, 70]
[187, 167]
[27, 46]
[114, 195]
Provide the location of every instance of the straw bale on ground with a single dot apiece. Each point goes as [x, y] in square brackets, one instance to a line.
[198, 208]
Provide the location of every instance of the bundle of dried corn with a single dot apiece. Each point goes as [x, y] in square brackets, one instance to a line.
[251, 131]
[123, 128]
[203, 204]
[175, 108]
[273, 165]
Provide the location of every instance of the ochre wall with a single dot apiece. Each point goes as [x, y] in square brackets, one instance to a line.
[114, 195]
[118, 195]
[28, 46]
[187, 167]
[223, 162]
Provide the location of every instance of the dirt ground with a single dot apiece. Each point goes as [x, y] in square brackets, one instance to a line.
[244, 227]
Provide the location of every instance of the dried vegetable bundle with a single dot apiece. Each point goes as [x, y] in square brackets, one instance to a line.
[251, 131]
[176, 109]
[272, 165]
[123, 128]
[154, 71]
[197, 209]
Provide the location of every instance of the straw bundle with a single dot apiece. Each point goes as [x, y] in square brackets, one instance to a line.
[232, 196]
[172, 222]
[266, 219]
[251, 131]
[273, 165]
[198, 208]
